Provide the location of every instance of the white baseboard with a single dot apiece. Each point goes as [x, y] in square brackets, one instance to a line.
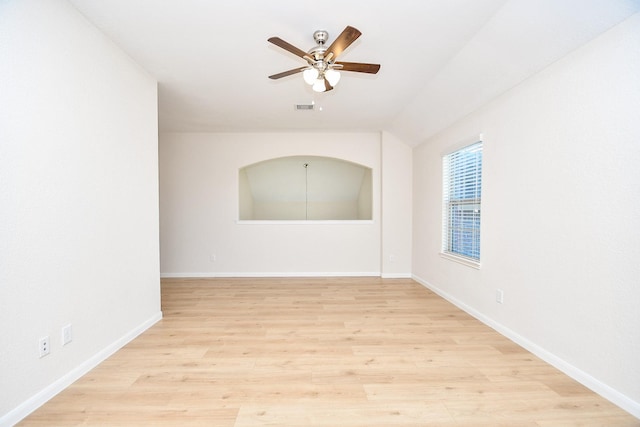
[21, 411]
[270, 274]
[604, 390]
[396, 276]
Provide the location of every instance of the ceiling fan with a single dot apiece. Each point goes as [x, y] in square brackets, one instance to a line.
[322, 69]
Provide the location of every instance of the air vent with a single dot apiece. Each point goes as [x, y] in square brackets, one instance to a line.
[304, 107]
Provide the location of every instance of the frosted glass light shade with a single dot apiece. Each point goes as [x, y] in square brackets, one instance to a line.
[310, 75]
[332, 76]
[319, 86]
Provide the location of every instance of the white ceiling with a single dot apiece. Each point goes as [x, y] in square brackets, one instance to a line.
[441, 59]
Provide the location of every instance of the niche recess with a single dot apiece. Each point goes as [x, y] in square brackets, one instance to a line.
[305, 188]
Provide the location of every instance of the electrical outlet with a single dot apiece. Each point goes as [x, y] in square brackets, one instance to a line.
[67, 334]
[499, 296]
[213, 257]
[45, 346]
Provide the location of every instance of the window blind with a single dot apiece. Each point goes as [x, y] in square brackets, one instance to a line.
[462, 194]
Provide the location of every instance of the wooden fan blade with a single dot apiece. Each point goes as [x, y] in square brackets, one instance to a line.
[359, 67]
[348, 36]
[287, 73]
[288, 47]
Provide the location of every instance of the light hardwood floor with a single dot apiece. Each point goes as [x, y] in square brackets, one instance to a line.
[321, 352]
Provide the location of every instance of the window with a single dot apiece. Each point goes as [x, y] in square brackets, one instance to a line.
[462, 194]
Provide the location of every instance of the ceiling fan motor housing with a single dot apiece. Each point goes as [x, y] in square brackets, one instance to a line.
[317, 52]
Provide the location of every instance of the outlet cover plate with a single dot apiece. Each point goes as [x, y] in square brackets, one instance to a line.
[67, 334]
[44, 346]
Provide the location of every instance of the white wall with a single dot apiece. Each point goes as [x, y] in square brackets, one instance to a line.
[199, 204]
[78, 200]
[560, 233]
[396, 206]
[364, 209]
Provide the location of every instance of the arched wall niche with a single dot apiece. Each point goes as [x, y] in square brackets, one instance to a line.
[308, 188]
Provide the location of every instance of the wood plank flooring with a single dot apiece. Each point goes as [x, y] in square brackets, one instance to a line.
[362, 352]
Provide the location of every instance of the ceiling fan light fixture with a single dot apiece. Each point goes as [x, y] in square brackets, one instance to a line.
[321, 70]
[318, 85]
[310, 75]
[332, 76]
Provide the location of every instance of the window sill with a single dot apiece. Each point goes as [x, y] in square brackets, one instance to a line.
[461, 260]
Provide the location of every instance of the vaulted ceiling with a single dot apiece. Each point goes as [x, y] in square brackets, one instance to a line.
[441, 59]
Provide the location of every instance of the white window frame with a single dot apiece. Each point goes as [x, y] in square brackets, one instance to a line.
[459, 172]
